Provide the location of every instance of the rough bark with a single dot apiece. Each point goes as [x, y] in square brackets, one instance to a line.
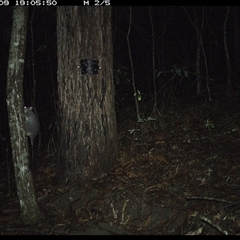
[26, 193]
[87, 133]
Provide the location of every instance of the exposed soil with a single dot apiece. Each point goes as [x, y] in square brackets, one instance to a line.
[179, 174]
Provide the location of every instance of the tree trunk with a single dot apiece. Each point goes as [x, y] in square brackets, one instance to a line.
[236, 36]
[26, 193]
[198, 72]
[229, 79]
[88, 131]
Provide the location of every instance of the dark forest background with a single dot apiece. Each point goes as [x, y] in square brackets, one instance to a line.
[175, 54]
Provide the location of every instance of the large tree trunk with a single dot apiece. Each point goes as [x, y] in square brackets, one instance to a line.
[88, 135]
[19, 144]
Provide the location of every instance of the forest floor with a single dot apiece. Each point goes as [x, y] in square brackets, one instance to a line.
[179, 174]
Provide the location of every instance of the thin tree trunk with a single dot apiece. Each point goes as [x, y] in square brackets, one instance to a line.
[30, 212]
[198, 78]
[199, 32]
[236, 34]
[132, 69]
[153, 66]
[229, 79]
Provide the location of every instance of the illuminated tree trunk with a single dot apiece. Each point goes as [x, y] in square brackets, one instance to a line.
[88, 131]
[30, 212]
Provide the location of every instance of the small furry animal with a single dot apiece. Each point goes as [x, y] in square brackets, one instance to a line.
[31, 123]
